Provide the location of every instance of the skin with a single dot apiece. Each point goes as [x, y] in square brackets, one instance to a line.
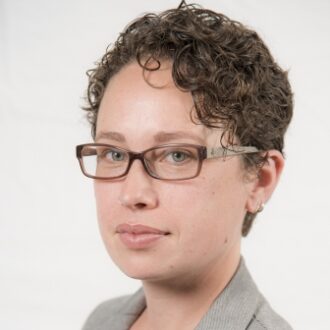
[185, 270]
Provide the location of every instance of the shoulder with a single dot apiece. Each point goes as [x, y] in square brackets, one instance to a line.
[265, 318]
[118, 313]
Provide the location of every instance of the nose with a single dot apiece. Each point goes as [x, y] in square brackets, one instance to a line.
[137, 190]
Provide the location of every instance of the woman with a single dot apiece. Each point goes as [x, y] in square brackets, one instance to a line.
[188, 112]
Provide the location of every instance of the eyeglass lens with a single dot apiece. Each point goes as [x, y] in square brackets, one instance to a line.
[168, 162]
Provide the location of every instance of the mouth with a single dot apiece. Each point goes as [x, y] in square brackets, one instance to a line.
[138, 229]
[139, 236]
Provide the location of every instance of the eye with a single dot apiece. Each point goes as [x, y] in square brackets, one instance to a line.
[113, 155]
[173, 155]
[177, 156]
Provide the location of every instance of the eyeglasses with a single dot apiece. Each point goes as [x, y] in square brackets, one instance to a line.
[165, 162]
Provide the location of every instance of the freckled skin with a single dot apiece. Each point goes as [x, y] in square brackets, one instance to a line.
[203, 215]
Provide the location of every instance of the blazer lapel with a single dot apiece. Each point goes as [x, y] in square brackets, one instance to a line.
[235, 306]
[130, 311]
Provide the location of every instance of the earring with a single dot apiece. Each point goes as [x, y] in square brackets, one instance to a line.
[260, 208]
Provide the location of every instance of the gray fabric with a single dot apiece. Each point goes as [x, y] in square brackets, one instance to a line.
[239, 306]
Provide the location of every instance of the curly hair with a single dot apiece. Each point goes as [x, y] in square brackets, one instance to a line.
[235, 82]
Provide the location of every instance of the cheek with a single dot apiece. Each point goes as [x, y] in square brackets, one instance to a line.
[194, 210]
[106, 201]
[211, 212]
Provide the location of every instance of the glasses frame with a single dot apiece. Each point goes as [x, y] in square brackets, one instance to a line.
[203, 153]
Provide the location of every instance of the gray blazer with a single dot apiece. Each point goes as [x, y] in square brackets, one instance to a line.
[239, 306]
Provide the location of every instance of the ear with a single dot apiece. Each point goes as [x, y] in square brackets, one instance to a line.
[263, 186]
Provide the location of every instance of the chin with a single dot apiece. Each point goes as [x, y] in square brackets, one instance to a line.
[140, 272]
[137, 265]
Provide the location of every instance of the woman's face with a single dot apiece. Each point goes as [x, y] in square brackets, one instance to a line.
[164, 230]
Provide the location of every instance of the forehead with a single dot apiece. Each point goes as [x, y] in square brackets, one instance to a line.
[140, 104]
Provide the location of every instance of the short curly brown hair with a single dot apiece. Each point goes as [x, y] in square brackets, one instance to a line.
[235, 82]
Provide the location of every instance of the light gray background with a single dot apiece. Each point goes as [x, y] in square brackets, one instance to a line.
[53, 267]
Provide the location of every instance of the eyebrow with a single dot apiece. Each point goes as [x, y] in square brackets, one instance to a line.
[160, 137]
[110, 136]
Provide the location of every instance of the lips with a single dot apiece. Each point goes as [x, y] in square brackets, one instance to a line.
[139, 236]
[138, 229]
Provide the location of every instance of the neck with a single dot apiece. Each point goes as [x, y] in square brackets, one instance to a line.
[174, 305]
